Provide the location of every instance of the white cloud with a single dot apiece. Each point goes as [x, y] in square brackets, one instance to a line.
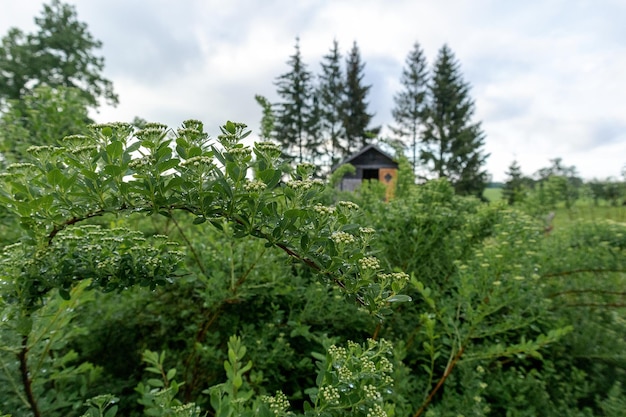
[547, 76]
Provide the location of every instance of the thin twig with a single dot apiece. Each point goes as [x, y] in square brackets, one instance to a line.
[445, 376]
[59, 227]
[191, 248]
[28, 388]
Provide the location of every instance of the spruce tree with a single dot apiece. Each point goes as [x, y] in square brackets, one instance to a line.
[356, 117]
[267, 120]
[410, 103]
[514, 185]
[296, 114]
[451, 142]
[331, 93]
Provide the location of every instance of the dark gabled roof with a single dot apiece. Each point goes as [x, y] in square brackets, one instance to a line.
[364, 150]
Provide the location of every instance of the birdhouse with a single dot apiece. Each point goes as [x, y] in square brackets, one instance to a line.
[371, 163]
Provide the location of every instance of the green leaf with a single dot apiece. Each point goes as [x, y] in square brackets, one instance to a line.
[153, 370]
[65, 294]
[233, 170]
[165, 165]
[133, 147]
[230, 127]
[115, 149]
[112, 170]
[399, 298]
[232, 356]
[182, 142]
[199, 220]
[111, 412]
[155, 382]
[163, 152]
[237, 381]
[55, 177]
[304, 241]
[171, 373]
[219, 156]
[194, 151]
[293, 214]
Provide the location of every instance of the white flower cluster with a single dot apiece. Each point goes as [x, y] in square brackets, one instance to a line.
[268, 147]
[342, 237]
[189, 409]
[394, 276]
[156, 126]
[376, 411]
[353, 345]
[196, 161]
[115, 239]
[345, 374]
[366, 230]
[189, 132]
[245, 151]
[330, 394]
[83, 149]
[385, 365]
[254, 186]
[278, 403]
[369, 262]
[384, 344]
[306, 167]
[75, 138]
[106, 263]
[38, 149]
[19, 166]
[324, 210]
[152, 132]
[348, 205]
[368, 365]
[371, 393]
[140, 162]
[304, 185]
[338, 353]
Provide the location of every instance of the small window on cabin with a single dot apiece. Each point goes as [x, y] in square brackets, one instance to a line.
[370, 174]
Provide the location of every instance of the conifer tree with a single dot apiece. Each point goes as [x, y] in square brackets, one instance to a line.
[267, 120]
[410, 103]
[331, 93]
[451, 142]
[356, 117]
[296, 114]
[513, 187]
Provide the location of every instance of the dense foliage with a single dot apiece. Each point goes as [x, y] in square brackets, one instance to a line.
[151, 277]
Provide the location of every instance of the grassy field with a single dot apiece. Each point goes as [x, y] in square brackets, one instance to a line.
[493, 194]
[583, 210]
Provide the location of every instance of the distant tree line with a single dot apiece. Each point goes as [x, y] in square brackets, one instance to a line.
[559, 184]
[324, 118]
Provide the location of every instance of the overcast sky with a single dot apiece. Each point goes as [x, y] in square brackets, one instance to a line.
[548, 76]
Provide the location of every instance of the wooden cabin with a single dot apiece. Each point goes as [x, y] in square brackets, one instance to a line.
[371, 163]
